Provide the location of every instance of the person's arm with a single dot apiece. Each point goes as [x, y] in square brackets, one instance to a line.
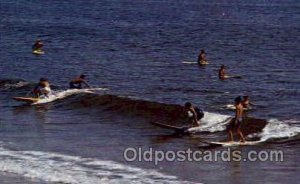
[199, 58]
[45, 91]
[86, 84]
[221, 74]
[195, 116]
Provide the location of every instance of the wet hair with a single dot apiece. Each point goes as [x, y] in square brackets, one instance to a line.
[202, 51]
[82, 76]
[238, 100]
[222, 66]
[188, 105]
[245, 97]
[43, 84]
[43, 79]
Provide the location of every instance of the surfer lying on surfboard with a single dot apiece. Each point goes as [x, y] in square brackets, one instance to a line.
[77, 82]
[236, 123]
[42, 89]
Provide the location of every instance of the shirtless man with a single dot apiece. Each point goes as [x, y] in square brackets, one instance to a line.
[77, 82]
[222, 72]
[42, 88]
[202, 58]
[238, 120]
[37, 45]
[192, 114]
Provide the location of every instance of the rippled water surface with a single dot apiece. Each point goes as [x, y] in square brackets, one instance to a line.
[138, 57]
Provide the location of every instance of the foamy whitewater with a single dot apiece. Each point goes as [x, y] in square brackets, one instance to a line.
[56, 95]
[275, 129]
[53, 167]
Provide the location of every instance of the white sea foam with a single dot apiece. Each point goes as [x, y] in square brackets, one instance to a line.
[211, 122]
[16, 85]
[276, 129]
[56, 95]
[53, 167]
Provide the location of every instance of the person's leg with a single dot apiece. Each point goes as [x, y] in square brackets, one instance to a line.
[242, 138]
[230, 135]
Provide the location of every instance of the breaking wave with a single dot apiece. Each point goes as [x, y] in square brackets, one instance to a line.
[60, 168]
[156, 111]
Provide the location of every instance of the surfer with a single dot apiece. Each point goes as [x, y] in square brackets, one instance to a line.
[222, 72]
[194, 114]
[223, 75]
[202, 58]
[42, 88]
[77, 82]
[37, 45]
[236, 123]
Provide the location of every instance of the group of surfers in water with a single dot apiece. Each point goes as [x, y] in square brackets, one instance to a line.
[194, 114]
[202, 61]
[241, 104]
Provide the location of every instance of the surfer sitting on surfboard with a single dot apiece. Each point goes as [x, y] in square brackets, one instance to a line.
[37, 45]
[237, 122]
[222, 72]
[194, 114]
[42, 89]
[201, 58]
[223, 75]
[77, 82]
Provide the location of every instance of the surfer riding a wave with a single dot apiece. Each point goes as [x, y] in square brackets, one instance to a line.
[237, 122]
[42, 89]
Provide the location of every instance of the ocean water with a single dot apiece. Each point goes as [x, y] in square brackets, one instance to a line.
[139, 59]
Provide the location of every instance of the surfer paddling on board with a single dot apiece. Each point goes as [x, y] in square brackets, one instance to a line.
[37, 45]
[42, 89]
[236, 123]
[77, 82]
[194, 114]
[202, 58]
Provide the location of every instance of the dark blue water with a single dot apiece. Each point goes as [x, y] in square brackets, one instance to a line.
[138, 50]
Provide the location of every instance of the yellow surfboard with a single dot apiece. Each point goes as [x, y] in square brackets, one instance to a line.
[38, 52]
[26, 99]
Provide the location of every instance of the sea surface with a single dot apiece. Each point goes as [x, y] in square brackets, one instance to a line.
[139, 57]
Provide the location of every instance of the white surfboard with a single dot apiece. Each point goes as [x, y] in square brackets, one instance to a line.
[189, 62]
[26, 99]
[56, 95]
[234, 143]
